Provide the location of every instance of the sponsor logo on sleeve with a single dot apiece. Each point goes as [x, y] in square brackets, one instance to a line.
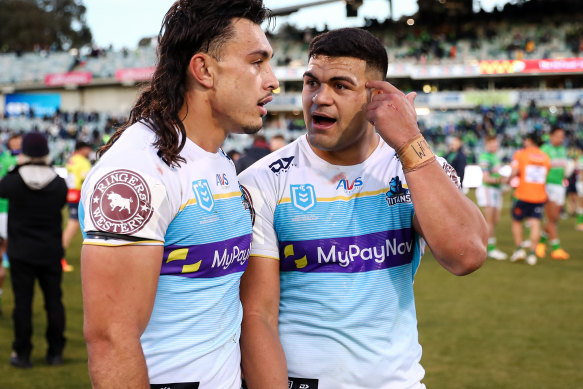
[121, 202]
[247, 201]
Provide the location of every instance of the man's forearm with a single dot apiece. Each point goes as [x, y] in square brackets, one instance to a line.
[114, 365]
[452, 225]
[262, 357]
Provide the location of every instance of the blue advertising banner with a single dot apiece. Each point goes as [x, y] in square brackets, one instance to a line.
[39, 105]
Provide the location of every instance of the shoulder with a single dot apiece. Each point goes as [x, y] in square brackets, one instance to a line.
[275, 163]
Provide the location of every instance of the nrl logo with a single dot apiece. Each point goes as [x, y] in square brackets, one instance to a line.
[303, 196]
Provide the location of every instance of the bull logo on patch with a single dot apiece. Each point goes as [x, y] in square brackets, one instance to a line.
[303, 196]
[116, 200]
[203, 194]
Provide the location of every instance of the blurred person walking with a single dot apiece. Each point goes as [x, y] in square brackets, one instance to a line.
[8, 159]
[167, 229]
[556, 193]
[531, 166]
[489, 195]
[78, 166]
[36, 196]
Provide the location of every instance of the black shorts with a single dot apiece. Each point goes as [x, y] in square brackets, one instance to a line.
[522, 209]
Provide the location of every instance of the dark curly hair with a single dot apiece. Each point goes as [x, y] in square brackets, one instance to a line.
[189, 27]
[354, 43]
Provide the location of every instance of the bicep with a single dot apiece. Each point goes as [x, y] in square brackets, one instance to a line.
[120, 283]
[260, 290]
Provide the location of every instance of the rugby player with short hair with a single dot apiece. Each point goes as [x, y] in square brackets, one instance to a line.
[489, 195]
[556, 193]
[167, 229]
[531, 165]
[341, 217]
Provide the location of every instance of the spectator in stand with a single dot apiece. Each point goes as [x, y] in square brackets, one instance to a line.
[78, 167]
[456, 156]
[531, 166]
[36, 196]
[556, 193]
[8, 160]
[258, 150]
[489, 195]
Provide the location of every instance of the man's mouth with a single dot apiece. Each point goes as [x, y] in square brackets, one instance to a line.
[261, 104]
[322, 120]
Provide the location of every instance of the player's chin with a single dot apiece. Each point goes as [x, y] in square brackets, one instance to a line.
[321, 141]
[251, 129]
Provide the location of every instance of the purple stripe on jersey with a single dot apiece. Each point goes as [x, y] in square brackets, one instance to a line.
[379, 250]
[207, 260]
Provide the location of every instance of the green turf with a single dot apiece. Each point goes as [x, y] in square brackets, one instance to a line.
[509, 325]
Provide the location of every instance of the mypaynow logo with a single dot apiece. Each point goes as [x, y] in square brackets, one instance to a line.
[207, 260]
[380, 250]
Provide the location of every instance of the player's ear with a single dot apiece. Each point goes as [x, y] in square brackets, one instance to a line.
[201, 69]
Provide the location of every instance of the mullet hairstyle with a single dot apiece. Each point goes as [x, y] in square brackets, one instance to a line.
[352, 42]
[189, 27]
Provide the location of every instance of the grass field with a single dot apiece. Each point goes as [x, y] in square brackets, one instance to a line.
[509, 325]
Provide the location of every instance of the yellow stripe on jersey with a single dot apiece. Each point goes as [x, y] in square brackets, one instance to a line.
[215, 196]
[137, 243]
[346, 198]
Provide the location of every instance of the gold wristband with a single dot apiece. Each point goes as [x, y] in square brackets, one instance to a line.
[415, 154]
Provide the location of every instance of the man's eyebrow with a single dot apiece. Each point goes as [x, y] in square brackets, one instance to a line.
[337, 78]
[262, 53]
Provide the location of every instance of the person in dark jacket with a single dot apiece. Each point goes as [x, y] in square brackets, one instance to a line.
[258, 150]
[36, 196]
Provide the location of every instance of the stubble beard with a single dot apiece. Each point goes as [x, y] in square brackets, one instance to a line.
[250, 130]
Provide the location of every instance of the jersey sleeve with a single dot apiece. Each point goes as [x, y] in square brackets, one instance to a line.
[450, 171]
[262, 197]
[124, 206]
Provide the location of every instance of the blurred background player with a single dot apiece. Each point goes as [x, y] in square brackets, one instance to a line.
[457, 157]
[579, 186]
[531, 166]
[556, 195]
[8, 160]
[78, 167]
[489, 195]
[36, 196]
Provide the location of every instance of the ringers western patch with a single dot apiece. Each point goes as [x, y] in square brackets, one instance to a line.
[121, 202]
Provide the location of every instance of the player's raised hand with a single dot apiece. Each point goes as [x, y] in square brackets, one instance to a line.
[392, 113]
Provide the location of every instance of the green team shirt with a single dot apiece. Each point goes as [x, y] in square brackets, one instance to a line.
[7, 162]
[490, 163]
[558, 155]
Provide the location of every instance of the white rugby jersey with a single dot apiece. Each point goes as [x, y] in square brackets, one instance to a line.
[197, 212]
[348, 254]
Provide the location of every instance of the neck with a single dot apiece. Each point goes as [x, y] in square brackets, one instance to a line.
[200, 126]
